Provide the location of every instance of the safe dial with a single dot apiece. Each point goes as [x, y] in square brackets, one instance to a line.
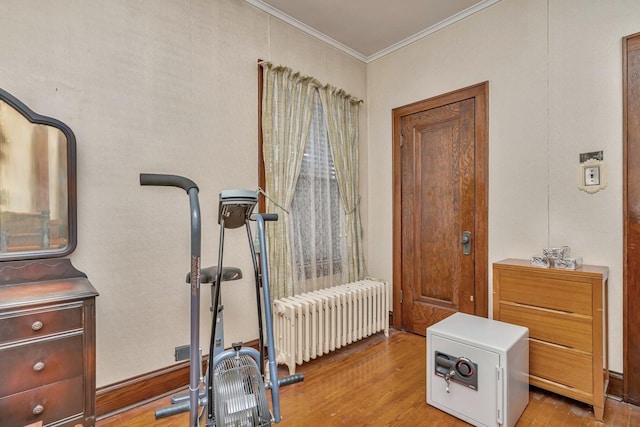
[464, 368]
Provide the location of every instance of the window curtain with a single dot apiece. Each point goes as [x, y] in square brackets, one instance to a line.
[287, 105]
[341, 115]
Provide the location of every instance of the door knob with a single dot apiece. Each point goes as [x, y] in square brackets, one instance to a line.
[466, 243]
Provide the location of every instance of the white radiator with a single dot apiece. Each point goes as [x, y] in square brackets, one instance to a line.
[315, 323]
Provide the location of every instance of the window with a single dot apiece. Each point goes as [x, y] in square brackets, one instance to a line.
[317, 214]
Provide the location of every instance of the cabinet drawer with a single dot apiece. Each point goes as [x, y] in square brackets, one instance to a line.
[50, 403]
[566, 329]
[547, 292]
[27, 324]
[39, 363]
[562, 365]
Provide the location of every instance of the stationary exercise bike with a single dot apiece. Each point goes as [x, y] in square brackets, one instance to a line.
[233, 390]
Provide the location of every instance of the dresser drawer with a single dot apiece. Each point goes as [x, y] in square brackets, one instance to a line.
[27, 324]
[47, 404]
[562, 365]
[547, 292]
[40, 363]
[566, 329]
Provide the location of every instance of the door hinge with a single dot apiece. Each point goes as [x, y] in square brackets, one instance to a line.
[499, 395]
[400, 296]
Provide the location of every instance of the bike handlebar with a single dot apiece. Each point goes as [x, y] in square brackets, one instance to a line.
[265, 216]
[194, 371]
[167, 181]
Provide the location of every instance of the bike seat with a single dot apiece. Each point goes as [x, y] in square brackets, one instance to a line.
[210, 274]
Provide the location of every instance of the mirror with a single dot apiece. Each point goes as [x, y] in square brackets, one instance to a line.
[37, 184]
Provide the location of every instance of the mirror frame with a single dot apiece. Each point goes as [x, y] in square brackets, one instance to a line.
[38, 119]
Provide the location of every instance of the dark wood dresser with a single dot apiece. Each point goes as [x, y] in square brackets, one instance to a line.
[47, 344]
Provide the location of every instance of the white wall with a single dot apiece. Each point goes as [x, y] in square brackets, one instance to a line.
[555, 90]
[158, 86]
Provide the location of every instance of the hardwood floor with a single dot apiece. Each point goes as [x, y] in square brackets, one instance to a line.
[381, 382]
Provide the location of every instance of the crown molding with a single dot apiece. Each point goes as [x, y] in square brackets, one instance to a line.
[306, 29]
[432, 29]
[357, 55]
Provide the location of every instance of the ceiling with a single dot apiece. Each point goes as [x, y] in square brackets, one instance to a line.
[370, 29]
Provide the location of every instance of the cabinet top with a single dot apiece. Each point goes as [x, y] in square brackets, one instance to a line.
[37, 282]
[45, 292]
[585, 270]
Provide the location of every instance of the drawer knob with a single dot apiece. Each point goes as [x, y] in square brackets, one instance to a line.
[39, 409]
[37, 325]
[38, 366]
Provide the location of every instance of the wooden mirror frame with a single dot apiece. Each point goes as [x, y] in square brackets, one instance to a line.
[38, 119]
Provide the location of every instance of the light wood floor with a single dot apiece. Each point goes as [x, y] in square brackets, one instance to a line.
[381, 382]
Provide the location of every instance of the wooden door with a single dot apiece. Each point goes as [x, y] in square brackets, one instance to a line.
[631, 303]
[440, 178]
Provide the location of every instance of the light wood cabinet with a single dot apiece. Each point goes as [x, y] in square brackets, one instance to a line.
[47, 345]
[565, 311]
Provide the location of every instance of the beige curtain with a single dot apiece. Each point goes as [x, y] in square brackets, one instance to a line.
[341, 114]
[286, 114]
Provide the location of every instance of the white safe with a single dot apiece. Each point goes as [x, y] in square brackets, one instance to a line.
[478, 369]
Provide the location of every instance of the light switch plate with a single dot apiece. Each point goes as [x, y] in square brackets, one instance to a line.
[592, 176]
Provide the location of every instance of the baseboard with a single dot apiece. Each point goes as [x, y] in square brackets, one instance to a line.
[616, 381]
[134, 391]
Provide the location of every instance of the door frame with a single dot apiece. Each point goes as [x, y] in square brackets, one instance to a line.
[629, 334]
[480, 93]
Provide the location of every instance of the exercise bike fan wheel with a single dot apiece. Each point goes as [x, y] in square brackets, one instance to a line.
[239, 393]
